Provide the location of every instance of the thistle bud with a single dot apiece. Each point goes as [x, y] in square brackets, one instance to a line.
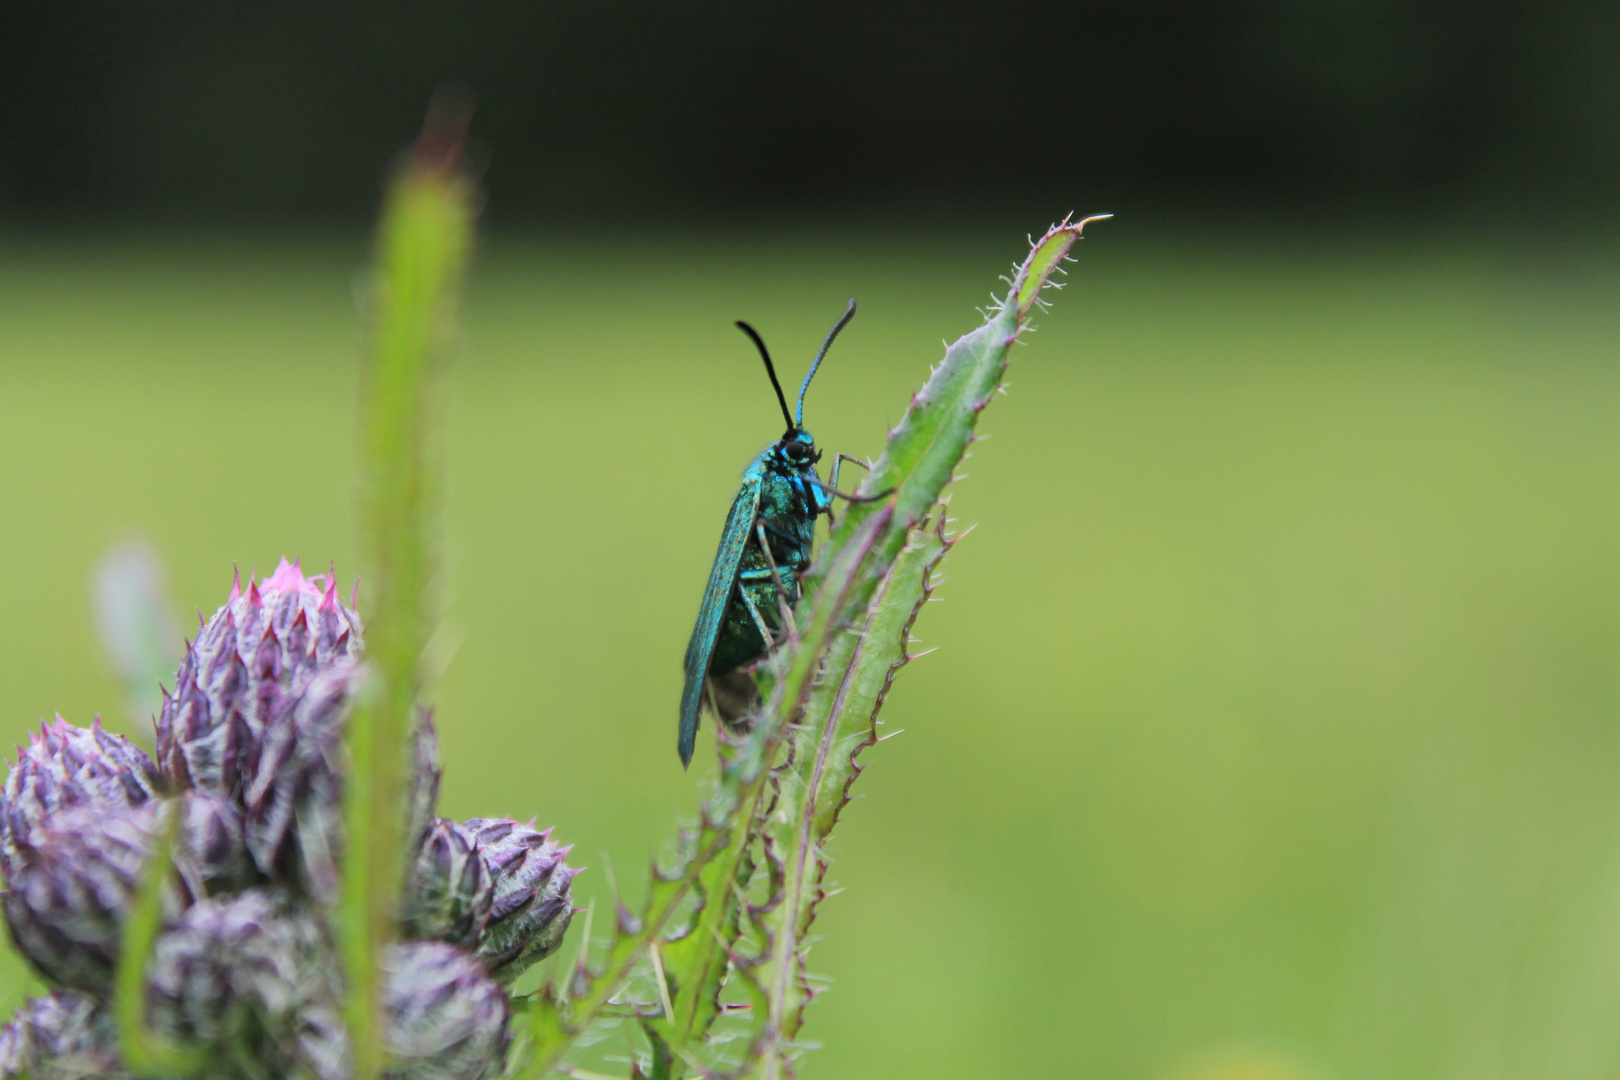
[62, 1036]
[444, 1018]
[211, 851]
[246, 673]
[66, 767]
[236, 976]
[257, 718]
[531, 905]
[71, 888]
[450, 891]
[293, 793]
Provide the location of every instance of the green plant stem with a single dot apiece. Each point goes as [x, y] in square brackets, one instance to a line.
[144, 1052]
[422, 247]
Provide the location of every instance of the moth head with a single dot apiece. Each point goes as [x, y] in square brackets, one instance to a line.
[799, 447]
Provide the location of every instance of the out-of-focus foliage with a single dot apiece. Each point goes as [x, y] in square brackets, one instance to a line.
[134, 617]
[1272, 732]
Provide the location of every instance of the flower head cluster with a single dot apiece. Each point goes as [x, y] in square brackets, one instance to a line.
[248, 780]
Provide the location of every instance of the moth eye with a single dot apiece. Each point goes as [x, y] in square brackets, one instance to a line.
[797, 450]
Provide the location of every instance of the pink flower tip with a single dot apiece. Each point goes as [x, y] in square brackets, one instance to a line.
[289, 577]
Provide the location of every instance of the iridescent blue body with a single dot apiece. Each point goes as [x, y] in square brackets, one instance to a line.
[781, 498]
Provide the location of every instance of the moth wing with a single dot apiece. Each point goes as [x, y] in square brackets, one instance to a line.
[716, 598]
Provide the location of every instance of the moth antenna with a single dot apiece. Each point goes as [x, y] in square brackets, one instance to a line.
[770, 369]
[843, 320]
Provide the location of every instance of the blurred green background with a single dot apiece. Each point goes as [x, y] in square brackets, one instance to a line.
[1273, 728]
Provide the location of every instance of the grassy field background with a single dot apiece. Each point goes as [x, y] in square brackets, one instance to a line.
[1273, 731]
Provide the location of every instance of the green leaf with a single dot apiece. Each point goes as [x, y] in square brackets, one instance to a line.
[893, 559]
[696, 962]
[923, 451]
[423, 242]
[812, 786]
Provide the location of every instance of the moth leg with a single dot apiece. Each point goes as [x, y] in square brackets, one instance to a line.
[831, 486]
[829, 489]
[776, 578]
[773, 527]
[848, 497]
[838, 463]
[759, 621]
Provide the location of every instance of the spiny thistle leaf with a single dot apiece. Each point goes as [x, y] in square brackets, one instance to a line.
[813, 785]
[853, 669]
[925, 448]
[422, 247]
[696, 962]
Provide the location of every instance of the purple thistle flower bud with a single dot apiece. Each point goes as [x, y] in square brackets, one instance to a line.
[247, 672]
[257, 718]
[444, 1018]
[61, 1036]
[237, 976]
[71, 888]
[450, 890]
[211, 851]
[65, 767]
[531, 906]
[294, 789]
